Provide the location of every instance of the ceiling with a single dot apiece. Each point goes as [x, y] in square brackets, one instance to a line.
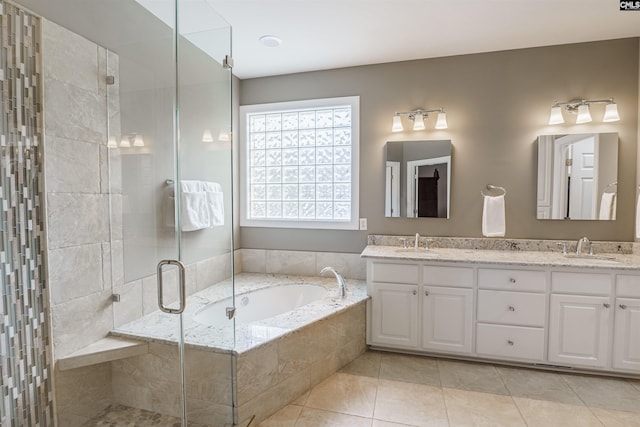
[325, 34]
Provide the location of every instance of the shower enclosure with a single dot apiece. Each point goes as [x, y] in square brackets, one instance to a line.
[137, 136]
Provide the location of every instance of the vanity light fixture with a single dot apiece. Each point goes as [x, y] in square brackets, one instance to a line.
[207, 136]
[580, 107]
[127, 141]
[111, 142]
[418, 117]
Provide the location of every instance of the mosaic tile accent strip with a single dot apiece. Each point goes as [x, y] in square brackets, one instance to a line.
[25, 369]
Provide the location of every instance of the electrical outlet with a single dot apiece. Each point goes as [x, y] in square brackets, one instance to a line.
[363, 223]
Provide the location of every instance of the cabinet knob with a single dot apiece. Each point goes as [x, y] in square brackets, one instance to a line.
[512, 308]
[510, 342]
[512, 280]
[623, 306]
[415, 292]
[606, 305]
[426, 293]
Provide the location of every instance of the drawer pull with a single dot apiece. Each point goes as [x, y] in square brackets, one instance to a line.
[606, 305]
[510, 342]
[415, 292]
[623, 306]
[512, 308]
[426, 293]
[512, 280]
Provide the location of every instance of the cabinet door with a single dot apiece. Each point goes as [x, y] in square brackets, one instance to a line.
[626, 340]
[579, 330]
[394, 315]
[447, 319]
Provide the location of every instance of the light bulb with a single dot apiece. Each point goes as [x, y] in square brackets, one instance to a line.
[124, 142]
[224, 136]
[611, 113]
[418, 123]
[441, 121]
[397, 124]
[138, 141]
[584, 115]
[207, 136]
[555, 118]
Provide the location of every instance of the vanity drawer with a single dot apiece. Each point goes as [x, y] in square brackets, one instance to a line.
[395, 273]
[512, 308]
[447, 276]
[512, 342]
[628, 286]
[512, 280]
[580, 283]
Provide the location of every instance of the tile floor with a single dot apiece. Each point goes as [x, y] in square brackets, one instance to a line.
[386, 389]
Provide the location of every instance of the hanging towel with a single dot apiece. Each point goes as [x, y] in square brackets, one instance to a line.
[493, 217]
[607, 206]
[194, 212]
[215, 203]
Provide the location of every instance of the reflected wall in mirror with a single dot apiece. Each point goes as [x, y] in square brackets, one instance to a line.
[418, 179]
[578, 176]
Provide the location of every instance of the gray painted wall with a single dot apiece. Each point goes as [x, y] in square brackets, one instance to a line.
[497, 103]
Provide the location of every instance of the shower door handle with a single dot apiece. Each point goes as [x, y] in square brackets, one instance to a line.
[181, 284]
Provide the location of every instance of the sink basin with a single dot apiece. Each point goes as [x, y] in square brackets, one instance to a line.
[605, 258]
[419, 251]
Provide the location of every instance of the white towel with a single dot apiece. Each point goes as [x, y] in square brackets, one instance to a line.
[215, 203]
[194, 213]
[493, 216]
[607, 206]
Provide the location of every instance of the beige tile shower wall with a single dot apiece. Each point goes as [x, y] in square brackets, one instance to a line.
[304, 263]
[84, 246]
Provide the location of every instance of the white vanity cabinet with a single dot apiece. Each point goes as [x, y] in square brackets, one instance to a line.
[512, 308]
[394, 305]
[580, 319]
[626, 339]
[550, 315]
[447, 309]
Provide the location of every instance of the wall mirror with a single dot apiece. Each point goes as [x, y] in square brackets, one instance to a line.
[578, 176]
[418, 179]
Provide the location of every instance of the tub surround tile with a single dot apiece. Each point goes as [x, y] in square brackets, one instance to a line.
[408, 403]
[415, 369]
[540, 413]
[291, 262]
[471, 376]
[474, 408]
[350, 266]
[213, 270]
[538, 385]
[254, 260]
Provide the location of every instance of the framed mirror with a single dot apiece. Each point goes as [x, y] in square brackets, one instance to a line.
[417, 179]
[578, 176]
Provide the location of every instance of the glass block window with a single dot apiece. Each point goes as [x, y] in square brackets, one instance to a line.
[300, 164]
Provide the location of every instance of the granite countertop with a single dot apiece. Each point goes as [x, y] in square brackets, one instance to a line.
[163, 328]
[506, 257]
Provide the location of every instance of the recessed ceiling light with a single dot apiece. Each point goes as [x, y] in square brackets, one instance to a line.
[270, 41]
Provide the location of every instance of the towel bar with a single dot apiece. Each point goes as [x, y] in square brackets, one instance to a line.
[493, 187]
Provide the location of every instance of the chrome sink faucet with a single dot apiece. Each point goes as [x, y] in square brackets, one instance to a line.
[416, 243]
[342, 284]
[582, 243]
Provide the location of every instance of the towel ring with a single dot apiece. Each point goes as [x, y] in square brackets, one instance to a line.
[493, 187]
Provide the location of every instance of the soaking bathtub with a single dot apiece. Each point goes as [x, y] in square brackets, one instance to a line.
[289, 333]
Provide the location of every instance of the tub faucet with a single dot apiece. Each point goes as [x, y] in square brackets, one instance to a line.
[342, 284]
[582, 243]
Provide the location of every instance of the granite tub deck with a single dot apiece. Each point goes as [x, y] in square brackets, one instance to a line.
[272, 363]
